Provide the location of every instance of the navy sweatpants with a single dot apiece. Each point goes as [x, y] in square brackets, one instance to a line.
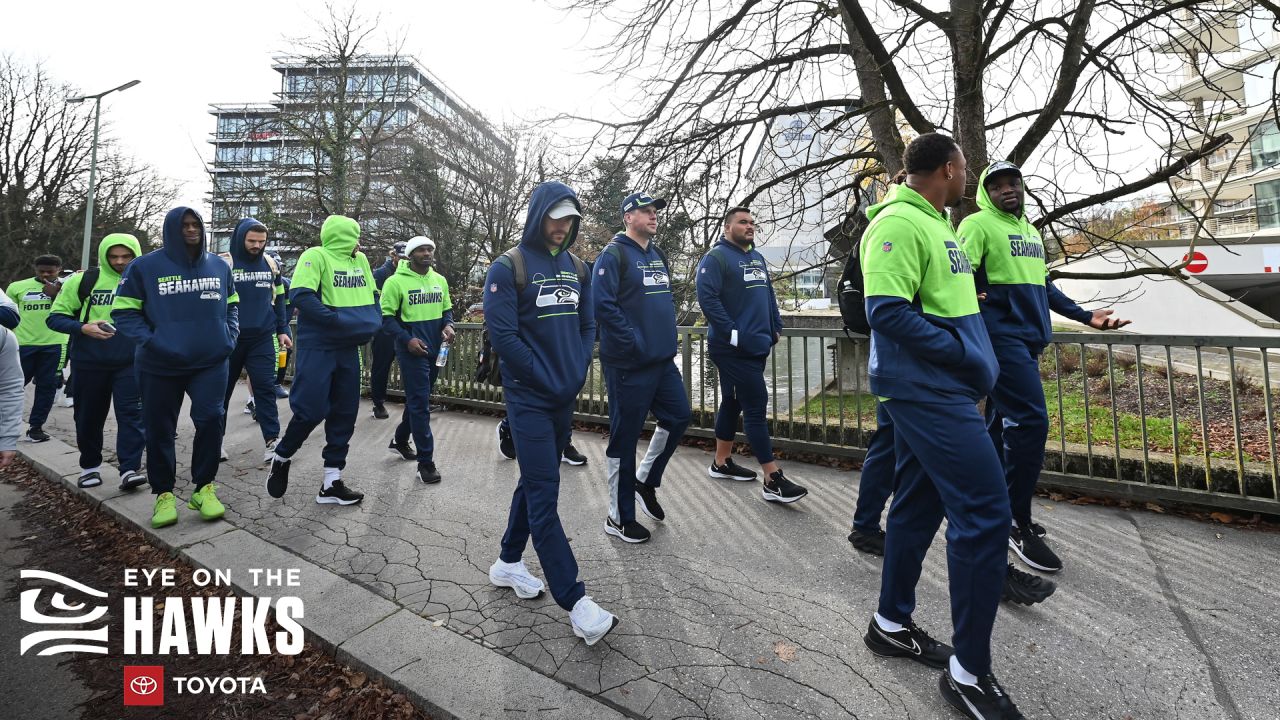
[161, 402]
[41, 363]
[632, 395]
[1018, 423]
[743, 392]
[541, 436]
[947, 466]
[382, 350]
[258, 357]
[419, 375]
[94, 393]
[877, 482]
[326, 388]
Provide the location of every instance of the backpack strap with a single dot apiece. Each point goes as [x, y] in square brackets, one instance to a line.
[514, 259]
[88, 279]
[713, 252]
[579, 267]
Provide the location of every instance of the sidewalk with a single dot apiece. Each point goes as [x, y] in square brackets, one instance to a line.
[736, 608]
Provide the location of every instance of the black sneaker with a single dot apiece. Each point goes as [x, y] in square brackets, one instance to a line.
[632, 532]
[647, 501]
[572, 456]
[404, 449]
[781, 490]
[280, 392]
[434, 408]
[91, 479]
[338, 494]
[984, 701]
[730, 470]
[278, 478]
[909, 642]
[427, 473]
[379, 411]
[1026, 589]
[131, 479]
[1033, 551]
[506, 444]
[1038, 529]
[869, 543]
[37, 435]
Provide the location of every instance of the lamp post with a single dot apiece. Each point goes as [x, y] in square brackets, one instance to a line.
[93, 163]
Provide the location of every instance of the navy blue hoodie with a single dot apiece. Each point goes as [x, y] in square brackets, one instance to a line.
[735, 293]
[544, 336]
[260, 289]
[635, 311]
[181, 312]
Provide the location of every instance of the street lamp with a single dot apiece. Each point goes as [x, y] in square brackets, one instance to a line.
[93, 163]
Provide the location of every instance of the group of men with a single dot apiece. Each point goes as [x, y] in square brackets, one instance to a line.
[956, 319]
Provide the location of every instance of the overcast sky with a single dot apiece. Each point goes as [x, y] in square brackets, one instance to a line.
[510, 59]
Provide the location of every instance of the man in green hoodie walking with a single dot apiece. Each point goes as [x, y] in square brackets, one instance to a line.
[333, 291]
[43, 349]
[1008, 258]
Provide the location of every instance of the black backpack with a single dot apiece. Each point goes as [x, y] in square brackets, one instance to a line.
[487, 368]
[851, 296]
[87, 281]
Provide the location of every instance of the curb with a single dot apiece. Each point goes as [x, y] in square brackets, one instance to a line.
[441, 671]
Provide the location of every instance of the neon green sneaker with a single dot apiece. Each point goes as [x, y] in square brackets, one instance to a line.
[166, 511]
[207, 503]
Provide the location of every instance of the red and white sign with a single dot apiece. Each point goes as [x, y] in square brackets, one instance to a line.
[1270, 259]
[1198, 262]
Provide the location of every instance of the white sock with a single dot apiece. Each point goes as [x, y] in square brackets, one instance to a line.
[331, 475]
[276, 457]
[86, 471]
[962, 676]
[887, 625]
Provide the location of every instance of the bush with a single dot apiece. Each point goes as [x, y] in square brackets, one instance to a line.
[1068, 359]
[1096, 366]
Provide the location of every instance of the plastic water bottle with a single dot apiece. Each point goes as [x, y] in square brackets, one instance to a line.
[443, 357]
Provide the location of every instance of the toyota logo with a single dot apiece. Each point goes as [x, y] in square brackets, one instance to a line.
[143, 685]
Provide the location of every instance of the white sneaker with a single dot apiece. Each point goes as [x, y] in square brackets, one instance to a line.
[248, 407]
[222, 454]
[271, 450]
[517, 577]
[67, 401]
[590, 621]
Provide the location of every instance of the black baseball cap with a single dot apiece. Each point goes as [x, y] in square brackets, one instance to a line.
[1001, 167]
[635, 201]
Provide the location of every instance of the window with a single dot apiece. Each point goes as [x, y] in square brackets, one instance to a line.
[1267, 196]
[1265, 145]
[1258, 83]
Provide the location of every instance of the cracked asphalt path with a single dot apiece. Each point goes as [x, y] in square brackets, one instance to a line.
[741, 609]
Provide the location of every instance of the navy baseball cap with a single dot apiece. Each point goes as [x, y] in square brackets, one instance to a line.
[1001, 167]
[399, 248]
[635, 201]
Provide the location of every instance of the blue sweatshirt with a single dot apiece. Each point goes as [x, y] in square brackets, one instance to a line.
[635, 311]
[736, 294]
[333, 290]
[260, 289]
[384, 271]
[68, 312]
[181, 312]
[544, 336]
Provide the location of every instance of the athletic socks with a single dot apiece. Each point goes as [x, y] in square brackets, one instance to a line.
[331, 475]
[958, 673]
[887, 625]
[86, 471]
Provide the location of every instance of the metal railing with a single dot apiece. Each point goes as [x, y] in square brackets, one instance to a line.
[1179, 418]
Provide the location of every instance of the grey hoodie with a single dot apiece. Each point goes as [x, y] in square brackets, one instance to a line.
[11, 396]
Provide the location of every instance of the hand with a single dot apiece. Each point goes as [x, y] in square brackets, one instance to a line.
[982, 297]
[1102, 320]
[95, 331]
[6, 457]
[417, 347]
[448, 333]
[52, 289]
[286, 342]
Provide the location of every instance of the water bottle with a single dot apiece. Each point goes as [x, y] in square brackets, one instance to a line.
[443, 357]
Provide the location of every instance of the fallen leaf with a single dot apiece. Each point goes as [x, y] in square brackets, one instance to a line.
[785, 651]
[1154, 507]
[437, 623]
[1224, 518]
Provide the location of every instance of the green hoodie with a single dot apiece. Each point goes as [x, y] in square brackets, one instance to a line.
[1009, 266]
[339, 278]
[416, 305]
[33, 309]
[68, 313]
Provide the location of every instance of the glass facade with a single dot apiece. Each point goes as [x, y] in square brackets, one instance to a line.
[1267, 197]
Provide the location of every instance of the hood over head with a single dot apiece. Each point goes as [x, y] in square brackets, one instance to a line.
[111, 241]
[174, 246]
[544, 197]
[238, 253]
[340, 234]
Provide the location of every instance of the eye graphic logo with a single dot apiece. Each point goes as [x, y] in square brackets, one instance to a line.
[553, 294]
[144, 685]
[74, 640]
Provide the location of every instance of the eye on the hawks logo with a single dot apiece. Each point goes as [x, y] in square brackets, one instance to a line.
[144, 685]
[66, 613]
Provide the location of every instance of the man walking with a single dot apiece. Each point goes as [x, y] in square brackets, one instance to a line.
[743, 322]
[636, 317]
[178, 305]
[42, 349]
[383, 350]
[932, 361]
[262, 326]
[1009, 271]
[103, 360]
[10, 382]
[338, 312]
[537, 305]
[418, 314]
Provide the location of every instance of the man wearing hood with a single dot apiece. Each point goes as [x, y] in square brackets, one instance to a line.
[178, 304]
[262, 326]
[736, 296]
[103, 359]
[931, 362]
[1009, 269]
[417, 314]
[337, 305]
[383, 348]
[537, 306]
[636, 315]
